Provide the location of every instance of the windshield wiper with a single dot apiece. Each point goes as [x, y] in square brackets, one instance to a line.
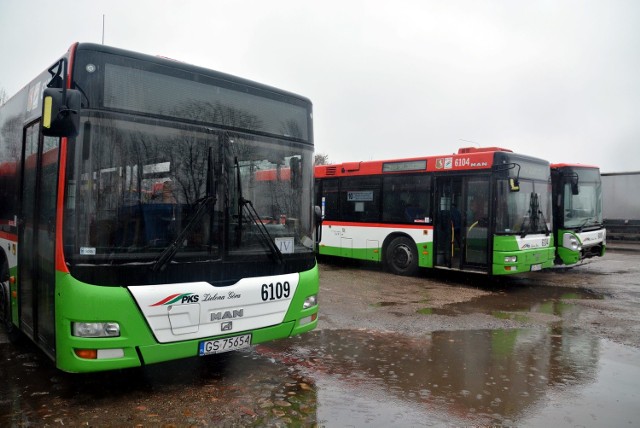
[544, 221]
[532, 217]
[264, 232]
[584, 223]
[535, 215]
[524, 227]
[204, 205]
[252, 214]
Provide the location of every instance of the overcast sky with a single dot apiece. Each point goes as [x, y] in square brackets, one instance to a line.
[554, 79]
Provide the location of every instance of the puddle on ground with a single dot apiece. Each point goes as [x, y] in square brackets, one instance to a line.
[505, 303]
[543, 299]
[461, 377]
[513, 303]
[532, 376]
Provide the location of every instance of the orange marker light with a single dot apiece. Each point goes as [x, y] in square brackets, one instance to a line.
[88, 354]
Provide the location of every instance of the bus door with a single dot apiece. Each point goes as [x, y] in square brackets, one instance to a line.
[36, 237]
[447, 222]
[475, 224]
[461, 222]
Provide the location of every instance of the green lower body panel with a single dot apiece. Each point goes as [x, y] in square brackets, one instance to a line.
[136, 345]
[567, 256]
[425, 258]
[527, 261]
[158, 353]
[370, 254]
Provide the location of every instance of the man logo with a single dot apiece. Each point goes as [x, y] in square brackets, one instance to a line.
[219, 316]
[226, 326]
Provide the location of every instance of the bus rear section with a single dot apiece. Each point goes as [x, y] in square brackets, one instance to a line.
[137, 230]
[578, 224]
[481, 210]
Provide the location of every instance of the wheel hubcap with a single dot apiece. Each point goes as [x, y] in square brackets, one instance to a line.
[402, 256]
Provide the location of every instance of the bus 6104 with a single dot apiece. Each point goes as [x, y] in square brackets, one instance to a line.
[131, 226]
[484, 210]
[578, 225]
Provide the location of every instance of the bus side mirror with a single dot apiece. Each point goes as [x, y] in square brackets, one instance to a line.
[575, 189]
[514, 185]
[317, 211]
[60, 112]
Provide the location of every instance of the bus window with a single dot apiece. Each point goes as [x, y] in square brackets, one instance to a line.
[329, 199]
[406, 199]
[359, 197]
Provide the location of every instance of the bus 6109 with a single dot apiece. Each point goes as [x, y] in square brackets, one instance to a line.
[131, 225]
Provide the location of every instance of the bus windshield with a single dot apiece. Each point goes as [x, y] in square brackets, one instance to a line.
[134, 186]
[527, 211]
[584, 209]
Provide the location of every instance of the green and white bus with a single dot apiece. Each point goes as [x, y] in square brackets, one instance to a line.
[484, 210]
[578, 226]
[131, 228]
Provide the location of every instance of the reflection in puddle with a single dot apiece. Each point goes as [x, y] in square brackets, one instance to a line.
[508, 305]
[532, 376]
[483, 376]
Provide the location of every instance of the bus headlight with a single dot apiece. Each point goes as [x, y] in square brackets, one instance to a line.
[95, 329]
[571, 242]
[310, 302]
[510, 259]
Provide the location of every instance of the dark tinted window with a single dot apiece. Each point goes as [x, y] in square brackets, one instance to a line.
[360, 199]
[406, 198]
[329, 199]
[141, 86]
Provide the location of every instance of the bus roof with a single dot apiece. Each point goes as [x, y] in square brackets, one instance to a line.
[467, 158]
[572, 165]
[162, 60]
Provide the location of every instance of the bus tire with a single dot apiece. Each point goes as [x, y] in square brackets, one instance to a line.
[401, 256]
[5, 305]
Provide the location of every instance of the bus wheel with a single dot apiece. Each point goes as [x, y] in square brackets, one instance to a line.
[402, 256]
[5, 305]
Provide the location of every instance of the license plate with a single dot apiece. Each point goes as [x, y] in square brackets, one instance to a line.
[536, 267]
[224, 345]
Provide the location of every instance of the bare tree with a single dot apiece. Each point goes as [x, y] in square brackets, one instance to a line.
[321, 159]
[3, 96]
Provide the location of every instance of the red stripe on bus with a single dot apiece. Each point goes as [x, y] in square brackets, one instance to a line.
[387, 225]
[166, 299]
[72, 58]
[62, 167]
[467, 159]
[572, 165]
[60, 262]
[9, 236]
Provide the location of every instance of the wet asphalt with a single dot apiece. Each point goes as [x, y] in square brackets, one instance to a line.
[554, 348]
